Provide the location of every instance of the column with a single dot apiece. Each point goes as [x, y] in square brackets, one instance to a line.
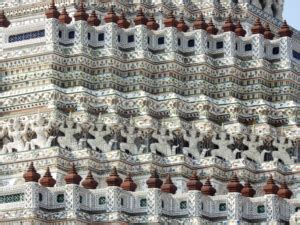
[111, 38]
[154, 209]
[51, 34]
[200, 42]
[234, 208]
[31, 198]
[272, 209]
[258, 46]
[286, 52]
[229, 46]
[81, 36]
[113, 202]
[194, 207]
[141, 40]
[171, 42]
[72, 200]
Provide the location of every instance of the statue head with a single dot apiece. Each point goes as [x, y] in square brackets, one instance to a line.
[99, 126]
[17, 124]
[40, 120]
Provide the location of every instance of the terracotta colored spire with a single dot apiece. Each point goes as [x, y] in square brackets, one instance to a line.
[194, 183]
[228, 25]
[122, 21]
[47, 180]
[31, 175]
[208, 189]
[170, 21]
[52, 11]
[268, 33]
[3, 20]
[270, 187]
[80, 14]
[284, 191]
[181, 26]
[152, 24]
[93, 19]
[211, 29]
[72, 177]
[168, 186]
[114, 179]
[111, 16]
[64, 16]
[258, 27]
[285, 30]
[234, 184]
[128, 184]
[140, 18]
[247, 190]
[89, 181]
[200, 23]
[154, 181]
[239, 30]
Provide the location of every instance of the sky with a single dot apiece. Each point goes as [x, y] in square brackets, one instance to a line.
[291, 13]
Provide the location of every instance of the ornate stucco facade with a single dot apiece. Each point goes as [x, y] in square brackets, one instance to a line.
[188, 91]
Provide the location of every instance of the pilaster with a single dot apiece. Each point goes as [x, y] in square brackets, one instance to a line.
[171, 41]
[272, 209]
[72, 200]
[31, 197]
[111, 38]
[113, 202]
[154, 209]
[258, 46]
[234, 209]
[286, 52]
[229, 46]
[51, 32]
[81, 36]
[141, 37]
[194, 207]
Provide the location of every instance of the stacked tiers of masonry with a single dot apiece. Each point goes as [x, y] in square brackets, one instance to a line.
[138, 89]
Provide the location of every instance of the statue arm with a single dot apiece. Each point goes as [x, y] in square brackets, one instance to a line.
[123, 133]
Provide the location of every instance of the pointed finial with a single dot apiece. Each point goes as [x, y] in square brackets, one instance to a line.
[93, 19]
[247, 190]
[270, 187]
[31, 175]
[114, 179]
[285, 30]
[122, 21]
[152, 24]
[200, 23]
[140, 18]
[258, 27]
[211, 29]
[154, 181]
[128, 184]
[89, 182]
[64, 16]
[72, 177]
[47, 180]
[284, 191]
[228, 25]
[111, 16]
[52, 11]
[239, 30]
[168, 186]
[80, 13]
[181, 26]
[208, 189]
[234, 184]
[170, 21]
[194, 184]
[268, 33]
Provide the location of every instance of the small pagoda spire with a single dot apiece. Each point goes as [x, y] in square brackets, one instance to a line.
[228, 25]
[114, 179]
[211, 29]
[89, 181]
[170, 21]
[268, 33]
[239, 30]
[80, 14]
[181, 26]
[128, 184]
[152, 24]
[154, 181]
[122, 21]
[258, 28]
[247, 190]
[208, 189]
[93, 19]
[284, 191]
[31, 175]
[64, 16]
[140, 18]
[234, 184]
[168, 186]
[194, 183]
[270, 187]
[4, 22]
[52, 11]
[111, 16]
[47, 180]
[285, 30]
[200, 23]
[72, 177]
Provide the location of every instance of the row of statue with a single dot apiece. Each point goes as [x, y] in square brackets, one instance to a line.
[38, 133]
